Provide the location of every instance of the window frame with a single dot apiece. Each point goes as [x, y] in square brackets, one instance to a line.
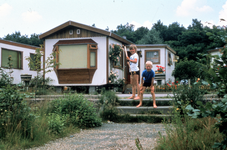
[21, 52]
[90, 48]
[152, 51]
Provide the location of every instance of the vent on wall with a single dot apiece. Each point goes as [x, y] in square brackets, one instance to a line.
[78, 31]
[70, 32]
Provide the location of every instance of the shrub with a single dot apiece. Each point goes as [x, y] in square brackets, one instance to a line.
[81, 112]
[187, 95]
[15, 114]
[5, 78]
[40, 84]
[108, 101]
[56, 122]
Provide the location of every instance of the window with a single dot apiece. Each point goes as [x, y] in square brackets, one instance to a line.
[76, 54]
[119, 63]
[169, 59]
[153, 56]
[16, 58]
[72, 56]
[93, 59]
[33, 58]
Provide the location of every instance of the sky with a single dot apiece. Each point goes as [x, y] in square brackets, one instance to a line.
[39, 16]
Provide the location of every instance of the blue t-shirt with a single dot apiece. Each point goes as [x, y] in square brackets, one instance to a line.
[148, 76]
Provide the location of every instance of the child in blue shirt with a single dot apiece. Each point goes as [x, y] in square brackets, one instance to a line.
[147, 80]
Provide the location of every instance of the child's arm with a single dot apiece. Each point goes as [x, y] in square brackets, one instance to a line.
[133, 61]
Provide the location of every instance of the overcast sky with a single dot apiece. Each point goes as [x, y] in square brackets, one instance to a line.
[39, 16]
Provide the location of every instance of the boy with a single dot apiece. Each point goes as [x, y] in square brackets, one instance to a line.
[149, 75]
[134, 71]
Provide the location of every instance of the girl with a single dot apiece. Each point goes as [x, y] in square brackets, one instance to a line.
[134, 71]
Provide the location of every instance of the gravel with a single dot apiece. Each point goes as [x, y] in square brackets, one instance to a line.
[110, 136]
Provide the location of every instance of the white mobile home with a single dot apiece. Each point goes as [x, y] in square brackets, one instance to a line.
[83, 54]
[18, 53]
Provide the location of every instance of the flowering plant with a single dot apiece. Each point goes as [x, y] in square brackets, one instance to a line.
[114, 80]
[160, 68]
[115, 53]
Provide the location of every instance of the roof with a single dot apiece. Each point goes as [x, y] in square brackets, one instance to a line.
[77, 41]
[18, 44]
[214, 50]
[156, 46]
[86, 27]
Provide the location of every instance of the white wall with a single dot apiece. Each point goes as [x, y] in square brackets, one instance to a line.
[169, 69]
[99, 77]
[142, 60]
[18, 72]
[119, 72]
[163, 62]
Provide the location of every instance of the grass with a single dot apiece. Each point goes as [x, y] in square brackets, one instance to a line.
[189, 134]
[40, 131]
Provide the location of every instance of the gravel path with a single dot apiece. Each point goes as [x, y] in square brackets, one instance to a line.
[109, 136]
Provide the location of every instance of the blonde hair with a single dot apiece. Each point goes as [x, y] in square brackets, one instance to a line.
[149, 63]
[133, 46]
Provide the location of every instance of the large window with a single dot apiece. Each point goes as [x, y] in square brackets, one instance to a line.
[72, 56]
[76, 56]
[153, 56]
[16, 58]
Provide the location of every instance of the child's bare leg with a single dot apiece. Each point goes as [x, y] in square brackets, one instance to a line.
[137, 86]
[153, 97]
[133, 93]
[141, 96]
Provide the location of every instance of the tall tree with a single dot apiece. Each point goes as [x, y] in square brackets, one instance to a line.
[139, 33]
[161, 29]
[152, 37]
[126, 30]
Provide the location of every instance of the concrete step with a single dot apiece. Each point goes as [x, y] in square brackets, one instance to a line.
[146, 102]
[144, 110]
[150, 115]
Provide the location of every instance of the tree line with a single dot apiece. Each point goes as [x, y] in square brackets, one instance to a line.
[187, 42]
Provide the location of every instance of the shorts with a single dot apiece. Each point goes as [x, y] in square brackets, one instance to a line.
[135, 72]
[146, 84]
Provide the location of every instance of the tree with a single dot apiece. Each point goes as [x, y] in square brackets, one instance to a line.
[17, 37]
[152, 37]
[139, 33]
[161, 29]
[173, 31]
[126, 30]
[35, 63]
[186, 69]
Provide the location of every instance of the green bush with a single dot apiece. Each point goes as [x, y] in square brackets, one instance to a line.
[5, 78]
[81, 112]
[108, 101]
[56, 122]
[15, 114]
[187, 95]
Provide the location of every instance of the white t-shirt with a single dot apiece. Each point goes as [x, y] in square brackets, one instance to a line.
[134, 66]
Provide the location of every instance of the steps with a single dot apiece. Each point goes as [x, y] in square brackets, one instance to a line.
[128, 107]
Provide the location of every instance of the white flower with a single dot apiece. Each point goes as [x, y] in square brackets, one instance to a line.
[109, 81]
[110, 55]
